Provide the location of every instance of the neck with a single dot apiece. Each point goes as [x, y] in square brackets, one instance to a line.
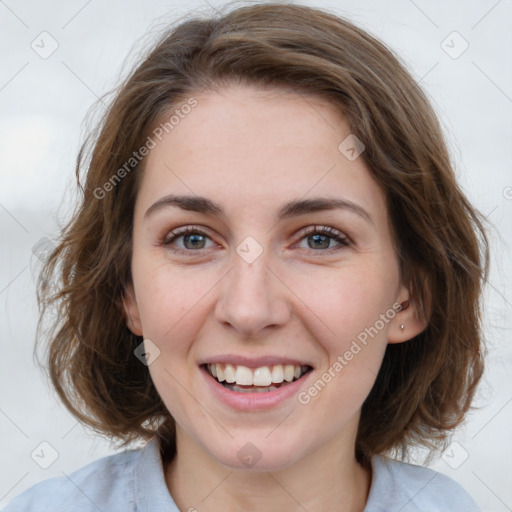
[329, 479]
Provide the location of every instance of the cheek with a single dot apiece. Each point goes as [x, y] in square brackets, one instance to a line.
[354, 343]
[346, 300]
[175, 306]
[166, 296]
[346, 310]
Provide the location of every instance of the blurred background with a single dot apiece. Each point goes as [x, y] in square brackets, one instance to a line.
[60, 57]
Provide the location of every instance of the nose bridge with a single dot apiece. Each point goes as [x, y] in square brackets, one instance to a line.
[251, 297]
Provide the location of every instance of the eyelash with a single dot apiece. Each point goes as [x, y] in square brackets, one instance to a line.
[304, 233]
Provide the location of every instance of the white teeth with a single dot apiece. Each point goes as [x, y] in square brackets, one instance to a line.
[243, 376]
[229, 373]
[263, 376]
[289, 371]
[277, 373]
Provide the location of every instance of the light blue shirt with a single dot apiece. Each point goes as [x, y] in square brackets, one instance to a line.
[133, 481]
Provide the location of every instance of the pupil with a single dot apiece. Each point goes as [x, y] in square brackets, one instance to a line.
[316, 238]
[194, 244]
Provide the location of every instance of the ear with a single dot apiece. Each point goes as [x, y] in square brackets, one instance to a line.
[132, 311]
[410, 316]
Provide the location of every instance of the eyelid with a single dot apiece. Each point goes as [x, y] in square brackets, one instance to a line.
[343, 240]
[185, 230]
[321, 229]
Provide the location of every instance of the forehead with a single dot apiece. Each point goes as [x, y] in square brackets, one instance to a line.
[252, 149]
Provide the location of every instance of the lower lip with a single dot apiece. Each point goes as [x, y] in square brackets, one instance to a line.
[253, 401]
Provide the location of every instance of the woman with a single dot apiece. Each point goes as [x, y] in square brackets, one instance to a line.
[273, 277]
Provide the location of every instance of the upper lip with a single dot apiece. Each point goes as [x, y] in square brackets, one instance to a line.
[254, 362]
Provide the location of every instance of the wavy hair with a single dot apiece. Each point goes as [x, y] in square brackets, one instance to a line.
[425, 386]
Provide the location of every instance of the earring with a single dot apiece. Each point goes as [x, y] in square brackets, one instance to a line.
[402, 327]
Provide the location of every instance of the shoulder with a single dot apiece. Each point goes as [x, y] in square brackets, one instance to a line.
[407, 487]
[105, 484]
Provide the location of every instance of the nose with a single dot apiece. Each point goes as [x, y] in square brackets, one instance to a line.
[253, 298]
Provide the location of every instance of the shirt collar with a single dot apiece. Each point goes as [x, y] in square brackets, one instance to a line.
[151, 492]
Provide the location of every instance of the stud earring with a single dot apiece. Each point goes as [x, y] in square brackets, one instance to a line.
[402, 327]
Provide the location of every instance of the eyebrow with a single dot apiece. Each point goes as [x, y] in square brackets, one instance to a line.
[290, 209]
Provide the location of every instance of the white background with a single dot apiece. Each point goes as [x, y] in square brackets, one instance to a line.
[43, 103]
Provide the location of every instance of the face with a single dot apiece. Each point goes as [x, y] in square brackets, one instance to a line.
[255, 286]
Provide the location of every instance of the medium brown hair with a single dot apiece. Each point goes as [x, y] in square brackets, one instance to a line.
[425, 385]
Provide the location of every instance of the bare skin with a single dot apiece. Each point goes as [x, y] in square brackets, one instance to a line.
[250, 151]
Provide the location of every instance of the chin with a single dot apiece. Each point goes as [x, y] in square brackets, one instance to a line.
[260, 454]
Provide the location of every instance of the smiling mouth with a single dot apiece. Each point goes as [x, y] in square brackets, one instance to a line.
[243, 379]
